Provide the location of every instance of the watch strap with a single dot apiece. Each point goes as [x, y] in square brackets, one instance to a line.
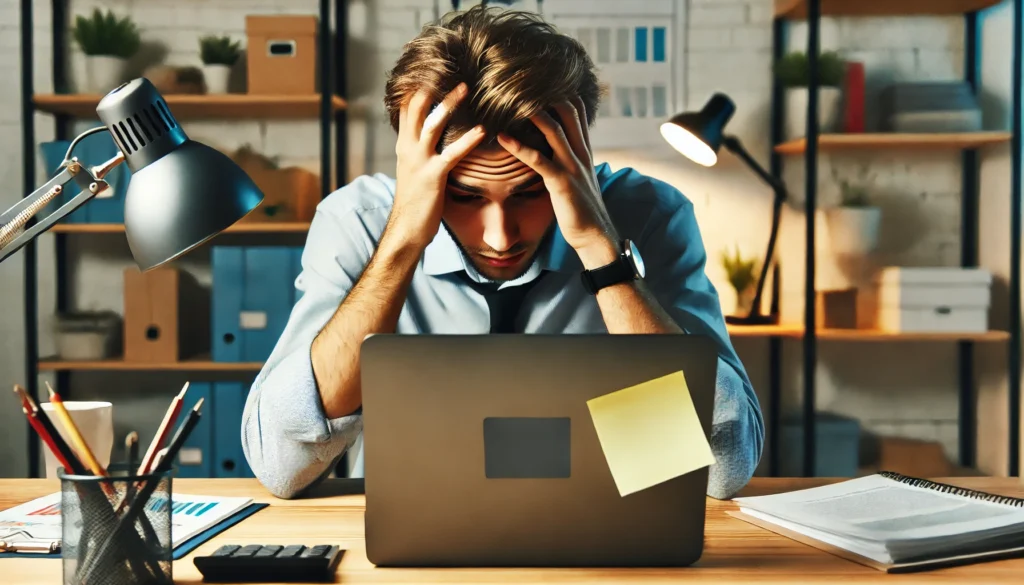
[614, 273]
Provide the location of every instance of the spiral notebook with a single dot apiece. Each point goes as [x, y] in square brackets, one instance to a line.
[894, 522]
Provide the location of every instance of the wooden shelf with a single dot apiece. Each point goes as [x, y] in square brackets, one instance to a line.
[796, 332]
[191, 365]
[193, 106]
[950, 141]
[797, 9]
[263, 227]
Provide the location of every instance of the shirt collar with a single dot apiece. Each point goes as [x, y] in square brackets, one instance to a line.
[443, 256]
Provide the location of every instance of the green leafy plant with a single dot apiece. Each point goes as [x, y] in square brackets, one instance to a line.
[793, 69]
[106, 34]
[741, 271]
[853, 195]
[215, 50]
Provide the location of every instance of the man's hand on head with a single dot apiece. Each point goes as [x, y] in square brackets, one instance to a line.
[571, 182]
[422, 172]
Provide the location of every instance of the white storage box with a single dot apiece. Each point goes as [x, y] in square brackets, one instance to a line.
[932, 299]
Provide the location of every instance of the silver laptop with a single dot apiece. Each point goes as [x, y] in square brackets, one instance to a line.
[480, 451]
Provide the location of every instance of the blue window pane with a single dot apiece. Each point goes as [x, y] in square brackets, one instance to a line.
[640, 43]
[659, 43]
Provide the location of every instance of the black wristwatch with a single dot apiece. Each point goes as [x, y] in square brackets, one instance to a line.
[628, 266]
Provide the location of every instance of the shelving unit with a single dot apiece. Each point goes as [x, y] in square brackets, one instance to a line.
[256, 227]
[967, 143]
[955, 141]
[203, 107]
[328, 107]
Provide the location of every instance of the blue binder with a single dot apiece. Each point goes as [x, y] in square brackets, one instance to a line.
[229, 398]
[253, 294]
[196, 456]
[91, 151]
[214, 449]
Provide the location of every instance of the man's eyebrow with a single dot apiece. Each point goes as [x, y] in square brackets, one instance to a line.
[518, 188]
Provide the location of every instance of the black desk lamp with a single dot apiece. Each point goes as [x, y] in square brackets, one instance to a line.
[698, 136]
[182, 192]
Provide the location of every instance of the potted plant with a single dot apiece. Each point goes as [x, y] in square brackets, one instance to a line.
[742, 276]
[218, 54]
[108, 42]
[853, 226]
[793, 72]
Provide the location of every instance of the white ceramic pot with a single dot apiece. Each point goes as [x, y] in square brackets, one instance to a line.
[853, 230]
[796, 110]
[104, 72]
[217, 78]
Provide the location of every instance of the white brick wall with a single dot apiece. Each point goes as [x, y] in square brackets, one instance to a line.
[726, 47]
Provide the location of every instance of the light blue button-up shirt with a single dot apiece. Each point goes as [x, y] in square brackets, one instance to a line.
[289, 442]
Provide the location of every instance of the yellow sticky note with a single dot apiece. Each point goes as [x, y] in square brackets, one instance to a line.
[650, 433]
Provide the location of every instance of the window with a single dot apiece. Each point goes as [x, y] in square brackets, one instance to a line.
[604, 45]
[659, 99]
[640, 100]
[622, 95]
[640, 43]
[659, 43]
[622, 45]
[586, 38]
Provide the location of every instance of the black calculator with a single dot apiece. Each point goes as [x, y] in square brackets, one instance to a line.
[255, 563]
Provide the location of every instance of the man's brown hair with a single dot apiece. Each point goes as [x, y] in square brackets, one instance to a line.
[514, 64]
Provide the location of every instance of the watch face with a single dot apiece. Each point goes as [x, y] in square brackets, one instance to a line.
[638, 261]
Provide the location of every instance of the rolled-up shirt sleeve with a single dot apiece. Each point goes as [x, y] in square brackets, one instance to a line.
[288, 441]
[674, 251]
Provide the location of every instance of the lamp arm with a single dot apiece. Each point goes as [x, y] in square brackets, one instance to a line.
[89, 182]
[733, 144]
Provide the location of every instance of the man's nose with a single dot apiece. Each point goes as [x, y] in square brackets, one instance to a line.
[500, 229]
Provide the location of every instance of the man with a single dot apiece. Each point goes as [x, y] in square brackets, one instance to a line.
[495, 211]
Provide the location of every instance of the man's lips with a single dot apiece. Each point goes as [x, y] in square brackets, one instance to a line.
[502, 262]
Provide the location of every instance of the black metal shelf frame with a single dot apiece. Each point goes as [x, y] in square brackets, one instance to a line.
[968, 252]
[332, 73]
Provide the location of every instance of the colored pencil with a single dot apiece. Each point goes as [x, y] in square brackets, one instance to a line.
[76, 436]
[161, 434]
[56, 441]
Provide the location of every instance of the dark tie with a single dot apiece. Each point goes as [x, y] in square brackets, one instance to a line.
[504, 303]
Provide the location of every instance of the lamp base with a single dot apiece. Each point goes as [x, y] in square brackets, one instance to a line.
[752, 320]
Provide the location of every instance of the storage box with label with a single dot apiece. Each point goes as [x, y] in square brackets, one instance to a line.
[253, 295]
[281, 54]
[932, 300]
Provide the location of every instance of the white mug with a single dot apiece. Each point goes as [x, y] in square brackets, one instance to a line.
[95, 422]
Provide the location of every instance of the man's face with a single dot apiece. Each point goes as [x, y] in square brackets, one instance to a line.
[498, 210]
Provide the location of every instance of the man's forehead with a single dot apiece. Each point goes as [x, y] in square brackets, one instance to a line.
[492, 163]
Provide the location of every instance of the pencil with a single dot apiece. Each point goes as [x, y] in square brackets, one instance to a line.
[76, 436]
[73, 465]
[44, 436]
[161, 433]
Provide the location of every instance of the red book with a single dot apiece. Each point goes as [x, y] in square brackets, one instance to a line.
[853, 98]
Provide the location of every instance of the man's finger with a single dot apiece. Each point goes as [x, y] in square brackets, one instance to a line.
[418, 106]
[581, 108]
[555, 137]
[574, 131]
[457, 150]
[434, 124]
[530, 157]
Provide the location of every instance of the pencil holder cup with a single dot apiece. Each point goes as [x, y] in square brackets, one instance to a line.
[116, 530]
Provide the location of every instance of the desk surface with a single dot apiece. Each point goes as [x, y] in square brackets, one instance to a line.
[735, 552]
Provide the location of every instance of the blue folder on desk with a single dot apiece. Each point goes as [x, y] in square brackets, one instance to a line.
[183, 549]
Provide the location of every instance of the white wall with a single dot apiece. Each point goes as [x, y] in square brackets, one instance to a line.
[722, 45]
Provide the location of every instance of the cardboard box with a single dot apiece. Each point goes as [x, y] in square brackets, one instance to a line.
[281, 54]
[161, 324]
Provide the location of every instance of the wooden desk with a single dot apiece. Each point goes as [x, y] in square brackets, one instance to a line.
[735, 552]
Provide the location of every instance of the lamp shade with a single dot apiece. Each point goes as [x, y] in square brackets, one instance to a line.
[182, 192]
[698, 135]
